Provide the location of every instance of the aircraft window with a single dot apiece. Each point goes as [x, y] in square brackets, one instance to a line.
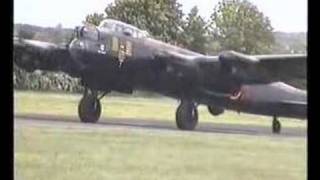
[119, 28]
[145, 34]
[139, 35]
[135, 34]
[90, 33]
[108, 25]
[128, 31]
[123, 28]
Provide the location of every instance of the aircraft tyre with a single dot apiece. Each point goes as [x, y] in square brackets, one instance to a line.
[186, 116]
[276, 126]
[89, 109]
[215, 111]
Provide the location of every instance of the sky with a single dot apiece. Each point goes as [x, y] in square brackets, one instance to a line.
[285, 15]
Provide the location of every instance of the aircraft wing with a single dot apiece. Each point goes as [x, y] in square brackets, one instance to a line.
[290, 69]
[36, 55]
[283, 67]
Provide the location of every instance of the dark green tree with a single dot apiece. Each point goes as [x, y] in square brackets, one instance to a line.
[95, 18]
[195, 32]
[161, 18]
[239, 25]
[290, 43]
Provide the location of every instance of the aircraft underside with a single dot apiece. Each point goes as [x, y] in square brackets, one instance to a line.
[126, 79]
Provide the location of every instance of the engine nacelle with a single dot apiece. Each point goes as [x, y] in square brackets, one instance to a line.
[215, 111]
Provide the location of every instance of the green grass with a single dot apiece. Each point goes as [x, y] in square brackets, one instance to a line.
[119, 153]
[28, 102]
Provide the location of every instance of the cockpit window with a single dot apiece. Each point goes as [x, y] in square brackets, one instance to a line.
[142, 34]
[118, 28]
[128, 31]
[121, 27]
[90, 33]
[107, 25]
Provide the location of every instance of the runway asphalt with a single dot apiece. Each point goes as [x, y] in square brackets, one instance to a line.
[203, 127]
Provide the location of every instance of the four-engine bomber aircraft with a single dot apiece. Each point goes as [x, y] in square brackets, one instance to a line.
[116, 56]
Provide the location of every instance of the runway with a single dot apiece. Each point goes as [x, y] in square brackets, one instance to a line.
[203, 127]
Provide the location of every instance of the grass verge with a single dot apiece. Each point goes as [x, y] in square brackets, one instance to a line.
[61, 153]
[28, 102]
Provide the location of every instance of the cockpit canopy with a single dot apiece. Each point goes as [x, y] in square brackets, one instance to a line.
[88, 32]
[121, 27]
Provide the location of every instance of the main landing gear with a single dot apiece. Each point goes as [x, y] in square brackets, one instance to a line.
[89, 108]
[276, 125]
[187, 115]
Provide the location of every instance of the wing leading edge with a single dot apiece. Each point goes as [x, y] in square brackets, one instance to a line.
[288, 68]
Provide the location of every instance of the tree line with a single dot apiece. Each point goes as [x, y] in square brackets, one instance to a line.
[233, 25]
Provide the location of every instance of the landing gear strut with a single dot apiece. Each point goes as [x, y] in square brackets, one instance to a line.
[276, 125]
[89, 108]
[187, 115]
